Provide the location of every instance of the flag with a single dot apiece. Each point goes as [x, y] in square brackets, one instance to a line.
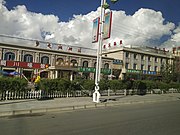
[37, 43]
[59, 47]
[49, 46]
[109, 45]
[69, 48]
[120, 42]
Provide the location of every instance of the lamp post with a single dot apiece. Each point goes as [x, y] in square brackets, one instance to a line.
[96, 94]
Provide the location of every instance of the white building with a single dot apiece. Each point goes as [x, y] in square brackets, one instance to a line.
[138, 62]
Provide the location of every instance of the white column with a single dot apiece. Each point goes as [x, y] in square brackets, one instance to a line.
[71, 76]
[56, 74]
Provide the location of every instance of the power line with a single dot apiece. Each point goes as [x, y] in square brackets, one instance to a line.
[45, 42]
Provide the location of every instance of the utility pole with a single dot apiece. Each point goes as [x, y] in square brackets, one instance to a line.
[104, 5]
[96, 94]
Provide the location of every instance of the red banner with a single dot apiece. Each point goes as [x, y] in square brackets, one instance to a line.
[22, 64]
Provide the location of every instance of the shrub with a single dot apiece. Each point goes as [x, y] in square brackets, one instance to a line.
[104, 85]
[117, 85]
[12, 84]
[150, 84]
[88, 85]
[55, 85]
[163, 86]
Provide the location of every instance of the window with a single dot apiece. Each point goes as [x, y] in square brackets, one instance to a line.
[155, 59]
[149, 58]
[135, 56]
[60, 61]
[127, 55]
[28, 58]
[149, 67]
[155, 68]
[45, 60]
[134, 66]
[142, 57]
[9, 56]
[126, 66]
[142, 67]
[74, 62]
[85, 64]
[106, 66]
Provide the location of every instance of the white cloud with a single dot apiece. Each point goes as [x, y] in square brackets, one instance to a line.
[141, 28]
[174, 41]
[176, 36]
[138, 29]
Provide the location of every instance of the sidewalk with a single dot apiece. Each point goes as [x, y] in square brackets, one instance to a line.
[14, 107]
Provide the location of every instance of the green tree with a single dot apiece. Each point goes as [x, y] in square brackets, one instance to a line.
[168, 73]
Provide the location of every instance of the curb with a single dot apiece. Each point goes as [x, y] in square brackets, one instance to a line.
[78, 107]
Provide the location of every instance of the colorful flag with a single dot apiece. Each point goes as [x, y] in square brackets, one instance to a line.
[49, 46]
[59, 47]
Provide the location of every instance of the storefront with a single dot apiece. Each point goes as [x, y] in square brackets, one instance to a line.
[25, 68]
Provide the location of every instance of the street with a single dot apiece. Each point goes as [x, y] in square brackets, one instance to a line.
[134, 119]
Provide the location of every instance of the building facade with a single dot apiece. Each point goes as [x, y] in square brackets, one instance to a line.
[138, 62]
[61, 64]
[124, 62]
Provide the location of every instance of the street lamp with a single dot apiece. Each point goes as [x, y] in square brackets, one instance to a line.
[96, 94]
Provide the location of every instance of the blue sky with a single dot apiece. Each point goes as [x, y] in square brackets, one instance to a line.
[65, 9]
[69, 22]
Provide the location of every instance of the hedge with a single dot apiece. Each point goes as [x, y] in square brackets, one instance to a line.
[64, 85]
[13, 84]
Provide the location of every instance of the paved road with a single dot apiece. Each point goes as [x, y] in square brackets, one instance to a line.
[134, 119]
[12, 105]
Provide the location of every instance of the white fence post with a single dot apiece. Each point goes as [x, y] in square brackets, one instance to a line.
[6, 95]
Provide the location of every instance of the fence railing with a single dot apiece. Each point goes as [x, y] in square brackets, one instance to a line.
[8, 95]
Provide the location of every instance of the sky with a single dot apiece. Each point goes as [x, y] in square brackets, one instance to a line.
[135, 22]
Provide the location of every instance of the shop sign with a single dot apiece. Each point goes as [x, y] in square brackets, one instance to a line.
[67, 64]
[149, 72]
[87, 69]
[106, 71]
[117, 62]
[93, 70]
[143, 72]
[22, 64]
[134, 71]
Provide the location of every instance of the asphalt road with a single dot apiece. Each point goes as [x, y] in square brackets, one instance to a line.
[137, 119]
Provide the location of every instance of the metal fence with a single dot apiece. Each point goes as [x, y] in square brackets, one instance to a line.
[8, 95]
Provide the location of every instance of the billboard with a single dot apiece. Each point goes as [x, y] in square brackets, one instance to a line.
[95, 33]
[107, 25]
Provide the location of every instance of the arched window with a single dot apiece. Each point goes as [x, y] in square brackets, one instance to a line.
[59, 61]
[45, 60]
[9, 56]
[85, 64]
[28, 58]
[74, 62]
[106, 66]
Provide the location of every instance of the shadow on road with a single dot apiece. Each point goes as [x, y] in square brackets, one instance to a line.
[16, 102]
